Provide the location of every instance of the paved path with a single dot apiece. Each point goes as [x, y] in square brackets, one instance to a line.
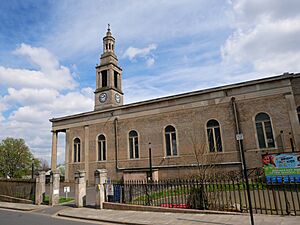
[106, 216]
[152, 218]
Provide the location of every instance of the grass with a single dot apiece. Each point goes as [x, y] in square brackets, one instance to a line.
[61, 199]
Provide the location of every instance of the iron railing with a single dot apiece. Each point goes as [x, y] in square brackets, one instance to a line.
[221, 194]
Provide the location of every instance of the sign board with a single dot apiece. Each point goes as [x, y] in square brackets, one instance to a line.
[283, 167]
[239, 137]
[55, 191]
[66, 189]
[110, 189]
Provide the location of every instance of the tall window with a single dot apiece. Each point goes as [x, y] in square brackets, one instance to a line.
[104, 78]
[298, 112]
[101, 148]
[76, 150]
[214, 136]
[171, 145]
[133, 145]
[264, 131]
[116, 79]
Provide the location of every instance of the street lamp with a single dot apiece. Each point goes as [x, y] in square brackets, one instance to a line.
[32, 168]
[150, 163]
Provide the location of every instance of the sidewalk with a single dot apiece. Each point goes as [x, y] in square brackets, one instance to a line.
[19, 206]
[152, 218]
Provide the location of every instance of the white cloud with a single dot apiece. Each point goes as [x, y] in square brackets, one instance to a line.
[132, 52]
[150, 62]
[51, 73]
[266, 36]
[32, 97]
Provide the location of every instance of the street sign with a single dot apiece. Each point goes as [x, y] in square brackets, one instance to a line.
[239, 137]
[110, 189]
[66, 189]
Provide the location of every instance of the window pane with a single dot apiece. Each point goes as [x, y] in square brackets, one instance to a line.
[133, 133]
[260, 135]
[136, 144]
[168, 146]
[75, 153]
[298, 111]
[131, 148]
[174, 144]
[78, 153]
[212, 123]
[210, 140]
[269, 134]
[218, 139]
[99, 151]
[262, 117]
[104, 150]
[170, 129]
[116, 79]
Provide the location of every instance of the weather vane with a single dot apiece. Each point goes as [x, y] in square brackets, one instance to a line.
[108, 27]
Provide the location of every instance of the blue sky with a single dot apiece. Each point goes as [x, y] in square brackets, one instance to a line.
[49, 49]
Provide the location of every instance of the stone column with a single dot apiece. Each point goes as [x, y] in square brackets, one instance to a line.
[86, 152]
[39, 187]
[54, 150]
[80, 188]
[100, 179]
[292, 110]
[67, 154]
[54, 188]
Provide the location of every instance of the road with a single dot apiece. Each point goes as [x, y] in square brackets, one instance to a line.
[12, 217]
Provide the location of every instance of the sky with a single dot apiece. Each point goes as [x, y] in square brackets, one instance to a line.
[49, 49]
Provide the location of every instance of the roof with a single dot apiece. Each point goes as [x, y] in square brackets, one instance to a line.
[183, 95]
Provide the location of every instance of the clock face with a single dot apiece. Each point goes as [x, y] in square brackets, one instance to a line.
[102, 97]
[117, 98]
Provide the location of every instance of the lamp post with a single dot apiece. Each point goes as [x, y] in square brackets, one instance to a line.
[150, 162]
[32, 168]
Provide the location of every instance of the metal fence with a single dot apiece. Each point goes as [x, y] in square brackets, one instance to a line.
[18, 188]
[280, 198]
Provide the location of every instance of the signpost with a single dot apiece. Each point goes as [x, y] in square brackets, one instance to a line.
[67, 190]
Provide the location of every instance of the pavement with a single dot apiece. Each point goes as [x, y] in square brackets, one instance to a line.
[151, 218]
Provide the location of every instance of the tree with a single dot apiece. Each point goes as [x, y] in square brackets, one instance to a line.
[15, 158]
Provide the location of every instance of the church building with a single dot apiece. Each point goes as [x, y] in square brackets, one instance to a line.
[179, 133]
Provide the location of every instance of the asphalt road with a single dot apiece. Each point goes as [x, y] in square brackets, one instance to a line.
[11, 217]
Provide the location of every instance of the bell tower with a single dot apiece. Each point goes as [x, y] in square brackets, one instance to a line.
[108, 91]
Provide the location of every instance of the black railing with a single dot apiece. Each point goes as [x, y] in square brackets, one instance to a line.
[221, 194]
[18, 188]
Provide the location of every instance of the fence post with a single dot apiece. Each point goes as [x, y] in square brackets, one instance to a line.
[80, 188]
[39, 187]
[54, 188]
[100, 179]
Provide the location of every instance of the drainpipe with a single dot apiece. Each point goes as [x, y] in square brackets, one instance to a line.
[116, 143]
[239, 138]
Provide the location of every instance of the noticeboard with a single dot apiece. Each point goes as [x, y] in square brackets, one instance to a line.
[283, 167]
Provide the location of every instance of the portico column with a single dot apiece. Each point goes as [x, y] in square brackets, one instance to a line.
[292, 110]
[67, 153]
[54, 150]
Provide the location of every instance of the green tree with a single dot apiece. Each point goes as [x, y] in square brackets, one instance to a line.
[15, 158]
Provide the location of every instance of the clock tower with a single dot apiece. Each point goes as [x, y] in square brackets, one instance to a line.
[108, 91]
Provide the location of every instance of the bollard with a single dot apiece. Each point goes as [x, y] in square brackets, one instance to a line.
[100, 179]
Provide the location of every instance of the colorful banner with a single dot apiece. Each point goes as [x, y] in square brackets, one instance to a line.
[283, 167]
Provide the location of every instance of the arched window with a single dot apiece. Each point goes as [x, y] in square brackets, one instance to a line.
[264, 131]
[171, 145]
[298, 112]
[101, 148]
[133, 145]
[76, 150]
[214, 136]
